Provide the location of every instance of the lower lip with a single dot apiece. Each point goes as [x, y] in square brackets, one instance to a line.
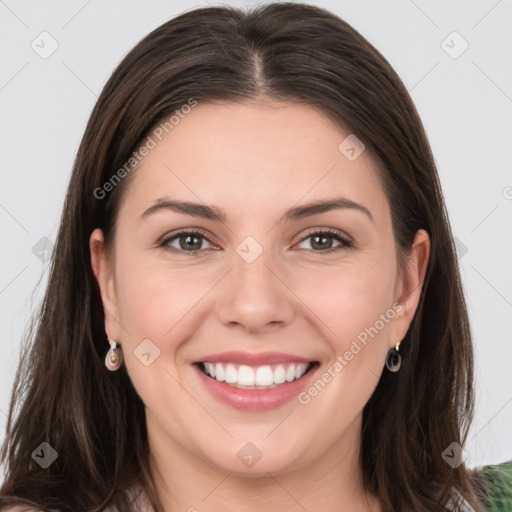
[255, 399]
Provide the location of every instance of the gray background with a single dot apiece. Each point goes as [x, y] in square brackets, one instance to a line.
[465, 103]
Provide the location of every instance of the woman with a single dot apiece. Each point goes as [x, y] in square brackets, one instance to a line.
[255, 230]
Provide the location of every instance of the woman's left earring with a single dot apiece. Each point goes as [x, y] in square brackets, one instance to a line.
[114, 357]
[394, 359]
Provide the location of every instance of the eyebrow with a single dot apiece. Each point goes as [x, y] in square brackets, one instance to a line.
[296, 213]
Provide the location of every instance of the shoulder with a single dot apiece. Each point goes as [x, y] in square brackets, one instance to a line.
[458, 502]
[139, 500]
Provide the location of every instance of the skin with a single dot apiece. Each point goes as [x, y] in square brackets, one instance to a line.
[254, 161]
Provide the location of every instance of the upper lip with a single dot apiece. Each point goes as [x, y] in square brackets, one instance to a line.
[252, 359]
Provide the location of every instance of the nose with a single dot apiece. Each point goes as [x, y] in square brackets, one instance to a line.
[254, 295]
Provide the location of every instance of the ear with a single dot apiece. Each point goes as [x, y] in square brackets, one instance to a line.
[104, 274]
[409, 285]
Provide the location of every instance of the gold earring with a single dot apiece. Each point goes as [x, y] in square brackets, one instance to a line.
[114, 357]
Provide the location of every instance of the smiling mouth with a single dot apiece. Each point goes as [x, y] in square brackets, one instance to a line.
[257, 378]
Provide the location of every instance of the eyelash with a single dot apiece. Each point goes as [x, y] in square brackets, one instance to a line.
[345, 242]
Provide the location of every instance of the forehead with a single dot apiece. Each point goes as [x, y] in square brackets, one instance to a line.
[253, 157]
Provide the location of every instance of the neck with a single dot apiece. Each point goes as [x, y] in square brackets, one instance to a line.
[333, 482]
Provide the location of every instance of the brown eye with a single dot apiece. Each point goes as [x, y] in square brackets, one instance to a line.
[185, 241]
[322, 241]
[193, 242]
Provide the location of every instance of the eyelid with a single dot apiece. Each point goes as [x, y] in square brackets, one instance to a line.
[181, 231]
[329, 231]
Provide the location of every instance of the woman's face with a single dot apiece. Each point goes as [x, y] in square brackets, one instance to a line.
[254, 288]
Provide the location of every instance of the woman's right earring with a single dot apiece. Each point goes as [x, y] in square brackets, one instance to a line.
[114, 357]
[394, 359]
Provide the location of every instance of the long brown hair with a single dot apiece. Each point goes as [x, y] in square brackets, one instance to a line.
[95, 419]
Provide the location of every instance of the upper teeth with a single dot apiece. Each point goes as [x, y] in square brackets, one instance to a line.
[260, 376]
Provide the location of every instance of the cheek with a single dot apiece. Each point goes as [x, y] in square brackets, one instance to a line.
[151, 303]
[148, 302]
[348, 299]
[355, 306]
[152, 295]
[156, 303]
[165, 304]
